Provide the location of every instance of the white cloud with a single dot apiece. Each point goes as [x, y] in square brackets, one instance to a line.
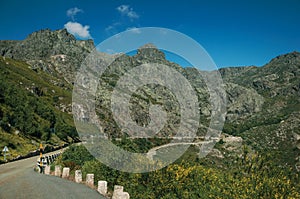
[127, 11]
[134, 30]
[131, 14]
[123, 9]
[112, 29]
[121, 24]
[109, 28]
[78, 30]
[72, 12]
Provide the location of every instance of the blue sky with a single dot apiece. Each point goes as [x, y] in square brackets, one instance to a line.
[234, 33]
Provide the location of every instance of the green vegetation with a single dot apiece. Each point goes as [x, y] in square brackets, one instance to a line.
[254, 176]
[75, 156]
[28, 109]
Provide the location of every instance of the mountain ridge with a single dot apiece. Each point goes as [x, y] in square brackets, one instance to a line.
[48, 50]
[258, 97]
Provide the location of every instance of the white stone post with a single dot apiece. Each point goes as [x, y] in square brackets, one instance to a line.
[90, 180]
[57, 171]
[102, 187]
[119, 193]
[125, 195]
[47, 169]
[66, 172]
[78, 176]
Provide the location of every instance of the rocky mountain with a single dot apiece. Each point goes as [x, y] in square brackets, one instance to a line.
[56, 52]
[274, 125]
[262, 102]
[36, 86]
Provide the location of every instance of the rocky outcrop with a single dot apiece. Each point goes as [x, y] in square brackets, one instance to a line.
[57, 52]
[242, 101]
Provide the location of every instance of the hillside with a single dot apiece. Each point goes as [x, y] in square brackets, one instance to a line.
[262, 102]
[262, 105]
[33, 109]
[36, 88]
[275, 127]
[56, 52]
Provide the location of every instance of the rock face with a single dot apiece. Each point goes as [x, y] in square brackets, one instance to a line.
[242, 101]
[57, 52]
[216, 153]
[232, 143]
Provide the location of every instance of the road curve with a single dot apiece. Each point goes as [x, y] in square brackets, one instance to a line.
[19, 181]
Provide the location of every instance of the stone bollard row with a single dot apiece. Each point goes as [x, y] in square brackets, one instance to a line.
[102, 185]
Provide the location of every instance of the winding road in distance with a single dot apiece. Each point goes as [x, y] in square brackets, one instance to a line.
[19, 181]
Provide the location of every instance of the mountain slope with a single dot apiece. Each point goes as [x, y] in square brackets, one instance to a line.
[33, 109]
[262, 109]
[57, 52]
[276, 126]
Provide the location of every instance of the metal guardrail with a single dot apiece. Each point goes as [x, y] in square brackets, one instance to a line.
[43, 161]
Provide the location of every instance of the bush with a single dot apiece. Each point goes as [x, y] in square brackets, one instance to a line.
[76, 154]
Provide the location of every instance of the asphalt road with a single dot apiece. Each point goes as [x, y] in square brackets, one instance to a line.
[19, 180]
